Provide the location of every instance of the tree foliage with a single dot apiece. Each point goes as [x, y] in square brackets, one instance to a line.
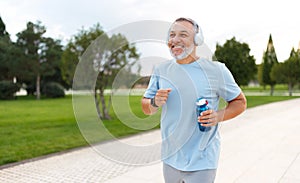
[269, 60]
[51, 52]
[8, 89]
[5, 51]
[237, 58]
[74, 50]
[3, 32]
[288, 72]
[53, 90]
[8, 64]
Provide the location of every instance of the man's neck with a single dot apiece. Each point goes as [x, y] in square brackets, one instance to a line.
[188, 60]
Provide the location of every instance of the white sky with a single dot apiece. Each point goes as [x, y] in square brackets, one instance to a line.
[249, 21]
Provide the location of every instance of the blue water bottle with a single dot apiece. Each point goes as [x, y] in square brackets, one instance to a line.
[202, 106]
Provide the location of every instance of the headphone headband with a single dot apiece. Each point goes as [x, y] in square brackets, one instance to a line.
[196, 26]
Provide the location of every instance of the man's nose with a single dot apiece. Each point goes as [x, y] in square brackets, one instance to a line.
[176, 39]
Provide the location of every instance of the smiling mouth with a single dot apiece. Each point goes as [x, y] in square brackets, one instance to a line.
[177, 47]
[177, 50]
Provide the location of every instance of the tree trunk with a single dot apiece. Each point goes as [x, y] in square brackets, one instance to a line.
[97, 104]
[272, 90]
[290, 89]
[38, 87]
[109, 103]
[103, 105]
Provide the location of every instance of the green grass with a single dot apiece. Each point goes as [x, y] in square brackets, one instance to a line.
[253, 101]
[278, 87]
[30, 128]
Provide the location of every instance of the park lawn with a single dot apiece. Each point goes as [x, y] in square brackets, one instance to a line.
[31, 128]
[277, 87]
[253, 101]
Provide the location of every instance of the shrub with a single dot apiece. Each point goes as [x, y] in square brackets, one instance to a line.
[53, 90]
[8, 89]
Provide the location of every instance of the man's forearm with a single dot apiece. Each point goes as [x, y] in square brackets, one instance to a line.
[234, 108]
[147, 108]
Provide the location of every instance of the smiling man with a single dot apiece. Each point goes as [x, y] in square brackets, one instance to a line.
[181, 41]
[188, 154]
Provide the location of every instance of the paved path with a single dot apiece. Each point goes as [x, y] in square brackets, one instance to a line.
[262, 146]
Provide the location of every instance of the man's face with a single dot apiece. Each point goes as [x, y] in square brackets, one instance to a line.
[181, 39]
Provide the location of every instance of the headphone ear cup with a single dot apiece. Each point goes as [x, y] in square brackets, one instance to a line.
[199, 39]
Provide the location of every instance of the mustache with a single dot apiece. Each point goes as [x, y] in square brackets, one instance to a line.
[177, 45]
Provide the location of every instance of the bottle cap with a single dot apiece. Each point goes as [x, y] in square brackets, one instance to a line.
[201, 101]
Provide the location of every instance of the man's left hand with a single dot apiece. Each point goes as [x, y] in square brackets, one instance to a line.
[208, 118]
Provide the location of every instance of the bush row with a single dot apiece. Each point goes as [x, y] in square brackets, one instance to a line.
[8, 90]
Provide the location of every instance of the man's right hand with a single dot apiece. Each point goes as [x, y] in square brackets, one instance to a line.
[161, 96]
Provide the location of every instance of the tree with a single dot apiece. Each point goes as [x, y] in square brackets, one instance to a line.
[5, 46]
[29, 41]
[269, 60]
[117, 58]
[288, 71]
[9, 55]
[237, 58]
[3, 32]
[106, 56]
[41, 56]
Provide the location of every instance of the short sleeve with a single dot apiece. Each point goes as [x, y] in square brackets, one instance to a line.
[228, 88]
[153, 85]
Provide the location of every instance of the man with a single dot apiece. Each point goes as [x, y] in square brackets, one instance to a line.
[188, 154]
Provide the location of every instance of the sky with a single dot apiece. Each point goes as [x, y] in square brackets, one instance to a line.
[248, 21]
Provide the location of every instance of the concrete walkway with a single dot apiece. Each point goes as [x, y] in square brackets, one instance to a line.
[262, 145]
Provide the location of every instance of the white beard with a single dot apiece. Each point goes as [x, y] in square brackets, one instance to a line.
[186, 52]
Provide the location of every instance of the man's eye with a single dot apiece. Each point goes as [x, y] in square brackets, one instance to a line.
[183, 35]
[172, 35]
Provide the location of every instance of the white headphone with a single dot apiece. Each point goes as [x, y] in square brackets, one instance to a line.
[198, 38]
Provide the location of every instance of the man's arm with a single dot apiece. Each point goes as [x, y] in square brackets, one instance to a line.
[233, 109]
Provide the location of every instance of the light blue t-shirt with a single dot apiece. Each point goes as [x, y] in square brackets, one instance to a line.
[184, 146]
